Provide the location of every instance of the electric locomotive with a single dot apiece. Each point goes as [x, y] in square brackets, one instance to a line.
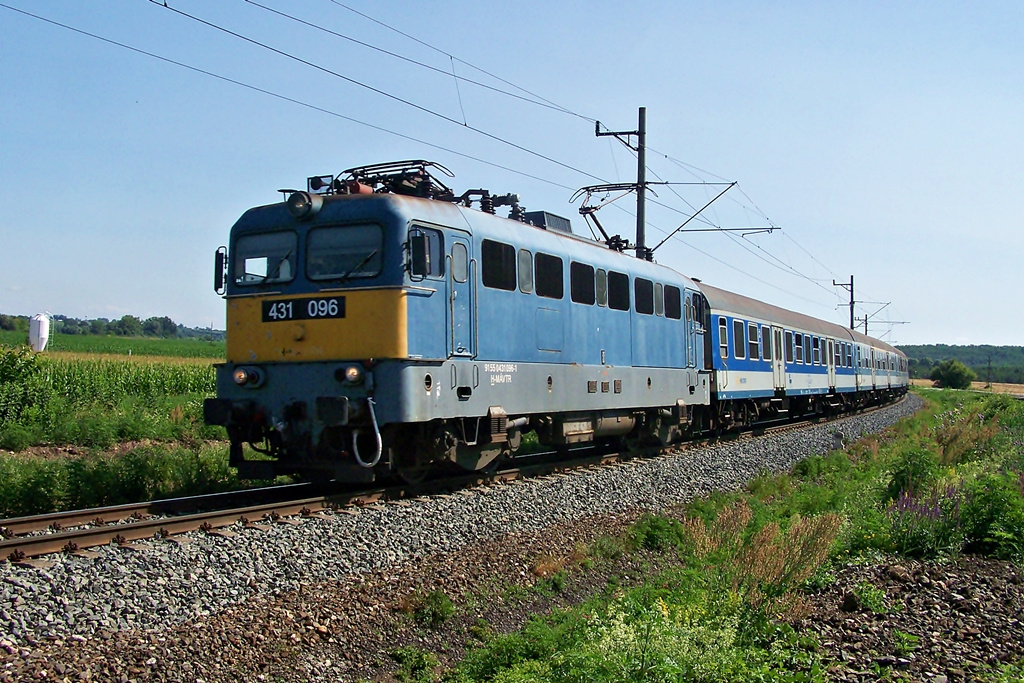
[378, 325]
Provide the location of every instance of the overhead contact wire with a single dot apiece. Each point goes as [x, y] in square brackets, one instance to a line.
[378, 91]
[285, 98]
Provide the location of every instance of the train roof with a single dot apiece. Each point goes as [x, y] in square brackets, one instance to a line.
[745, 306]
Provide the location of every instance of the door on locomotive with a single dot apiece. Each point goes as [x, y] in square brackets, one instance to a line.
[691, 331]
[461, 333]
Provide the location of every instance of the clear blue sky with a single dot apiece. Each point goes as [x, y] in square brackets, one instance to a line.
[885, 139]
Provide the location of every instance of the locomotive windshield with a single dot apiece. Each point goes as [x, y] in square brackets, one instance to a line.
[266, 257]
[341, 252]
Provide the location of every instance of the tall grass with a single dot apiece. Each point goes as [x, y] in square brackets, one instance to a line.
[97, 402]
[31, 485]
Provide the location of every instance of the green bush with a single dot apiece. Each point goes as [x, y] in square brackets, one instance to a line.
[914, 470]
[433, 609]
[654, 532]
[952, 374]
[992, 515]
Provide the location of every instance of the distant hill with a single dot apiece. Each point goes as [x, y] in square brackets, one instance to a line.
[1007, 362]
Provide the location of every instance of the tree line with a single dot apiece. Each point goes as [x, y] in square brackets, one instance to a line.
[125, 326]
[988, 363]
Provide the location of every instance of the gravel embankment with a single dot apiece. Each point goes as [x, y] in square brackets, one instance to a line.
[154, 589]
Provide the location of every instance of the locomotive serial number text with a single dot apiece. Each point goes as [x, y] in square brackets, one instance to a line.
[303, 309]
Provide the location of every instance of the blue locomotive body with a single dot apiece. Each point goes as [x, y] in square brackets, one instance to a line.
[382, 326]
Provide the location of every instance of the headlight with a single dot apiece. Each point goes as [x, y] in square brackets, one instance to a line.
[304, 205]
[353, 374]
[250, 377]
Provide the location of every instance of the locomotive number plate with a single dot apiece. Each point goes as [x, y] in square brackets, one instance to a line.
[303, 309]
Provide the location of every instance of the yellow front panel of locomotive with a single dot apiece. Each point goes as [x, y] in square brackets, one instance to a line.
[374, 326]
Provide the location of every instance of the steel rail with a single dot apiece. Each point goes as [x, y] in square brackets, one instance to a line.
[21, 548]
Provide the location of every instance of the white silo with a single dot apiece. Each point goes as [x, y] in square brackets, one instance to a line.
[38, 331]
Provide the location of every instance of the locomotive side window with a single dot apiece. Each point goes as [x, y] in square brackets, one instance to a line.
[618, 291]
[673, 306]
[426, 250]
[602, 287]
[659, 299]
[267, 257]
[739, 346]
[460, 263]
[340, 252]
[753, 341]
[789, 346]
[799, 339]
[498, 267]
[549, 276]
[525, 271]
[723, 336]
[581, 283]
[643, 290]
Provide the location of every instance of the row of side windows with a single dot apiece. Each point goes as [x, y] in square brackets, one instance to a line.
[504, 268]
[804, 349]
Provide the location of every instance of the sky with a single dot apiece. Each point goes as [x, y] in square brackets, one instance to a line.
[880, 140]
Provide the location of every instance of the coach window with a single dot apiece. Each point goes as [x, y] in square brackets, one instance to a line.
[426, 253]
[753, 341]
[581, 283]
[602, 287]
[659, 299]
[498, 268]
[799, 339]
[643, 291]
[766, 347]
[340, 252]
[525, 271]
[738, 340]
[673, 307]
[789, 346]
[618, 291]
[549, 276]
[267, 257]
[837, 354]
[808, 359]
[723, 336]
[824, 350]
[817, 350]
[849, 355]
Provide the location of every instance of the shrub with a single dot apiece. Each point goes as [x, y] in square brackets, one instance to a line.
[429, 609]
[952, 374]
[654, 532]
[914, 470]
[415, 664]
[927, 526]
[992, 515]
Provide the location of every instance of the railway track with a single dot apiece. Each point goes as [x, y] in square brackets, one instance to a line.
[27, 539]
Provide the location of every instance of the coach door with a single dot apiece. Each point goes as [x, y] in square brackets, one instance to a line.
[462, 333]
[778, 359]
[831, 364]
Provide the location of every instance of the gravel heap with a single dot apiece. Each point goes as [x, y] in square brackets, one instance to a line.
[169, 583]
[938, 622]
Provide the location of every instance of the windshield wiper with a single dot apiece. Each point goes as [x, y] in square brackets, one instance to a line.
[276, 270]
[353, 269]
